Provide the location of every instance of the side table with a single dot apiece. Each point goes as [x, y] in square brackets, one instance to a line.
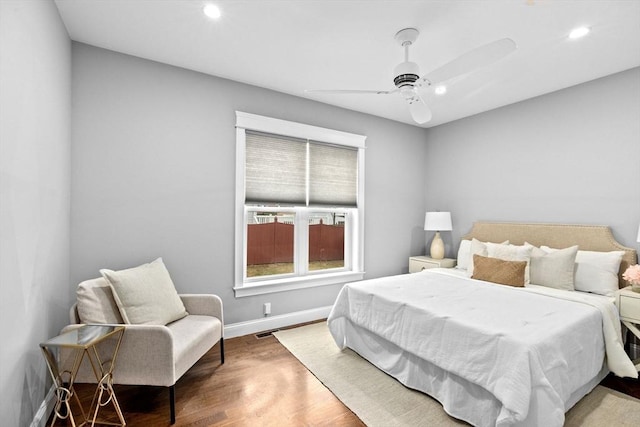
[629, 307]
[419, 263]
[82, 341]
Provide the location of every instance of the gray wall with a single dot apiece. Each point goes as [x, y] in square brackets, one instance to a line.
[571, 156]
[153, 174]
[35, 111]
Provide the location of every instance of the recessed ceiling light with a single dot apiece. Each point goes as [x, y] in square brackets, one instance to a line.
[212, 11]
[440, 90]
[576, 33]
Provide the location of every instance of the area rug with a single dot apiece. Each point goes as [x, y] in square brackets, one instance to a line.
[379, 400]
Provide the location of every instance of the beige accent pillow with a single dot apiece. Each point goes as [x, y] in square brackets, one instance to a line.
[146, 294]
[499, 271]
[511, 253]
[553, 269]
[95, 302]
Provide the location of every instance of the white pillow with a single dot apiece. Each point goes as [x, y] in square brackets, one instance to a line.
[512, 253]
[464, 252]
[596, 272]
[553, 269]
[146, 294]
[96, 303]
[477, 248]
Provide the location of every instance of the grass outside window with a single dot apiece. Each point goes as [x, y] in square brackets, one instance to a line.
[287, 267]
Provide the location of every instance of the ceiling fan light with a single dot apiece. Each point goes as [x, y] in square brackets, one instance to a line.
[212, 11]
[576, 33]
[440, 90]
[419, 111]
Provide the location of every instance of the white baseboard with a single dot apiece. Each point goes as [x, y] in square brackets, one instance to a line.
[46, 407]
[274, 322]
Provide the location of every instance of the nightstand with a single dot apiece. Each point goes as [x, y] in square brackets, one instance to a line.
[629, 306]
[419, 263]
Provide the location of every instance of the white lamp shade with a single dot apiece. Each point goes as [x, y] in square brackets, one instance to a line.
[638, 239]
[437, 221]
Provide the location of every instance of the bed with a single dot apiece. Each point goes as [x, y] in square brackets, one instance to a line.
[496, 355]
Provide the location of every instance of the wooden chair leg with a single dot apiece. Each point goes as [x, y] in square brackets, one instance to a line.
[222, 351]
[172, 403]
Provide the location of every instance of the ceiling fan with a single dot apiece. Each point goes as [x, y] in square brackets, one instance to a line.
[407, 74]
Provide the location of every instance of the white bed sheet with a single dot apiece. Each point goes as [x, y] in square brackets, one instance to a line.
[530, 352]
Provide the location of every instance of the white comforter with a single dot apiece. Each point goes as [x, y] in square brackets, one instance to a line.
[519, 344]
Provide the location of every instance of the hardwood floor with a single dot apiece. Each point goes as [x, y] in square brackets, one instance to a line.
[630, 386]
[260, 384]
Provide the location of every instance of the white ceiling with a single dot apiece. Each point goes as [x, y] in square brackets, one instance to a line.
[293, 45]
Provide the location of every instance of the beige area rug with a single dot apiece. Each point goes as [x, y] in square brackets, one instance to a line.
[379, 400]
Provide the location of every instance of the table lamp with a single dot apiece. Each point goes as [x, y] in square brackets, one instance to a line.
[437, 221]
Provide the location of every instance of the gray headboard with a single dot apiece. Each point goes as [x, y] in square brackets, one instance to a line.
[587, 237]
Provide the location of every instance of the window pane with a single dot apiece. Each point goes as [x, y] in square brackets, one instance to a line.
[326, 240]
[269, 244]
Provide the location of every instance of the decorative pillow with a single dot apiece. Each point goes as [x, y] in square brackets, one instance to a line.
[596, 272]
[499, 271]
[146, 294]
[464, 253]
[96, 303]
[511, 253]
[553, 269]
[478, 248]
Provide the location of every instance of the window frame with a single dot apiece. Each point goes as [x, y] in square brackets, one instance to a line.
[354, 226]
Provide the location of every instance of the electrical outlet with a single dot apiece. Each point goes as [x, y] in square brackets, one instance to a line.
[267, 308]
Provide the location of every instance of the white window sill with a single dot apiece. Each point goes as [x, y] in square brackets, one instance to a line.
[289, 284]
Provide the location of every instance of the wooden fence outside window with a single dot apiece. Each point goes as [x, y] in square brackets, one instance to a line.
[272, 242]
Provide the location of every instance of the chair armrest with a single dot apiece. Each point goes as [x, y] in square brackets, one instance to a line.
[145, 357]
[204, 304]
[70, 327]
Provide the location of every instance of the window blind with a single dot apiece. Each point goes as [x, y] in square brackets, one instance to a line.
[285, 170]
[275, 169]
[333, 175]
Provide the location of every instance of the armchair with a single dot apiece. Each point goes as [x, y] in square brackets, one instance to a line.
[153, 355]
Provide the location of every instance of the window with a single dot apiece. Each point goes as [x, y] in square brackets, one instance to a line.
[299, 205]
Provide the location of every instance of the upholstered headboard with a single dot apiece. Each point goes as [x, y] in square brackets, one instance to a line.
[587, 237]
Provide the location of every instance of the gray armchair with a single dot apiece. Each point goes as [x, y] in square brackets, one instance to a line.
[153, 355]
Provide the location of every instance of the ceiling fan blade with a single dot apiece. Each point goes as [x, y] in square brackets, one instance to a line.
[419, 110]
[472, 60]
[349, 91]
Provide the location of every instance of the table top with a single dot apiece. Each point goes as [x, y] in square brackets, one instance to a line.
[628, 292]
[83, 337]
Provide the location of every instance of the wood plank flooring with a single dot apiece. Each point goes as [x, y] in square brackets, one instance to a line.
[260, 384]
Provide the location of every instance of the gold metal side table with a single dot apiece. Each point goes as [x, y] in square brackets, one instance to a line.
[82, 342]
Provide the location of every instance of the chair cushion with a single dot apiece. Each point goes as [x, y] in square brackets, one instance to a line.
[145, 294]
[193, 336]
[96, 303]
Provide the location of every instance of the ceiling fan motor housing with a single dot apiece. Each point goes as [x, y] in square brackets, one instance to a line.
[406, 74]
